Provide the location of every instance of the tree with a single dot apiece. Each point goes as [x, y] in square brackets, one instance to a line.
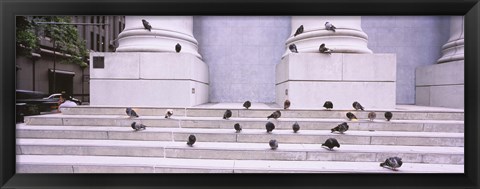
[64, 37]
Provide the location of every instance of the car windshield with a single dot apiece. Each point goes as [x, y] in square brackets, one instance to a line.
[57, 95]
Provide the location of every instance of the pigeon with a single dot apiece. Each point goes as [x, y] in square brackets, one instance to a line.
[295, 127]
[286, 104]
[328, 105]
[330, 143]
[269, 126]
[146, 25]
[357, 106]
[388, 115]
[351, 116]
[169, 113]
[392, 163]
[191, 140]
[137, 127]
[227, 114]
[131, 113]
[341, 128]
[247, 104]
[372, 116]
[299, 31]
[293, 48]
[329, 26]
[178, 47]
[237, 127]
[275, 115]
[324, 49]
[273, 144]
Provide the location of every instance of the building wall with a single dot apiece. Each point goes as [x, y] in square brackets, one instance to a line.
[242, 51]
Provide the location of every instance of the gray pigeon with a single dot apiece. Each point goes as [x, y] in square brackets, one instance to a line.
[324, 49]
[237, 127]
[275, 115]
[286, 104]
[293, 48]
[146, 25]
[137, 127]
[169, 113]
[357, 106]
[341, 128]
[131, 113]
[273, 144]
[299, 31]
[178, 47]
[227, 114]
[330, 26]
[351, 116]
[191, 140]
[388, 115]
[392, 163]
[269, 126]
[295, 127]
[372, 116]
[247, 104]
[328, 105]
[330, 143]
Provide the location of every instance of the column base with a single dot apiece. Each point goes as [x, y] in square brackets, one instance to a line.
[148, 80]
[441, 85]
[310, 79]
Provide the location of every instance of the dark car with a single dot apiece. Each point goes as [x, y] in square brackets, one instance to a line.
[33, 102]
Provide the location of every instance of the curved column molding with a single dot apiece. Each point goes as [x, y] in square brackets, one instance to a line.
[453, 50]
[166, 32]
[348, 38]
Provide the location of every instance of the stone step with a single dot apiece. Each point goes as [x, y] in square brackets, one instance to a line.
[248, 123]
[109, 164]
[398, 114]
[239, 151]
[246, 136]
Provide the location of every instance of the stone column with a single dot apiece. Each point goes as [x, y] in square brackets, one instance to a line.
[351, 73]
[166, 32]
[347, 38]
[146, 71]
[443, 84]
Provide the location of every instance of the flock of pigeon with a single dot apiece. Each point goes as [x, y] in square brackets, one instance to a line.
[391, 162]
[322, 48]
[148, 27]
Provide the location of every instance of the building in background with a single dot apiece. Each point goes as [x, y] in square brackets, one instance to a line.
[36, 73]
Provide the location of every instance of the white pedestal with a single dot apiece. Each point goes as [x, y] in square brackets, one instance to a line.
[441, 85]
[149, 80]
[313, 78]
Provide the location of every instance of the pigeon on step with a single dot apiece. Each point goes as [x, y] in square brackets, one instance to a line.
[273, 144]
[293, 48]
[330, 26]
[299, 31]
[295, 127]
[324, 49]
[372, 116]
[138, 127]
[275, 115]
[269, 126]
[330, 143]
[169, 113]
[328, 105]
[178, 47]
[247, 104]
[131, 113]
[191, 140]
[341, 128]
[357, 106]
[392, 163]
[146, 25]
[388, 115]
[351, 116]
[227, 114]
[237, 127]
[286, 104]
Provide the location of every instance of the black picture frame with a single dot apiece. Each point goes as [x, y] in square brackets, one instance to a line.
[9, 9]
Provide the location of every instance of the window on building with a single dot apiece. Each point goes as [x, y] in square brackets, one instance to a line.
[98, 42]
[92, 41]
[103, 22]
